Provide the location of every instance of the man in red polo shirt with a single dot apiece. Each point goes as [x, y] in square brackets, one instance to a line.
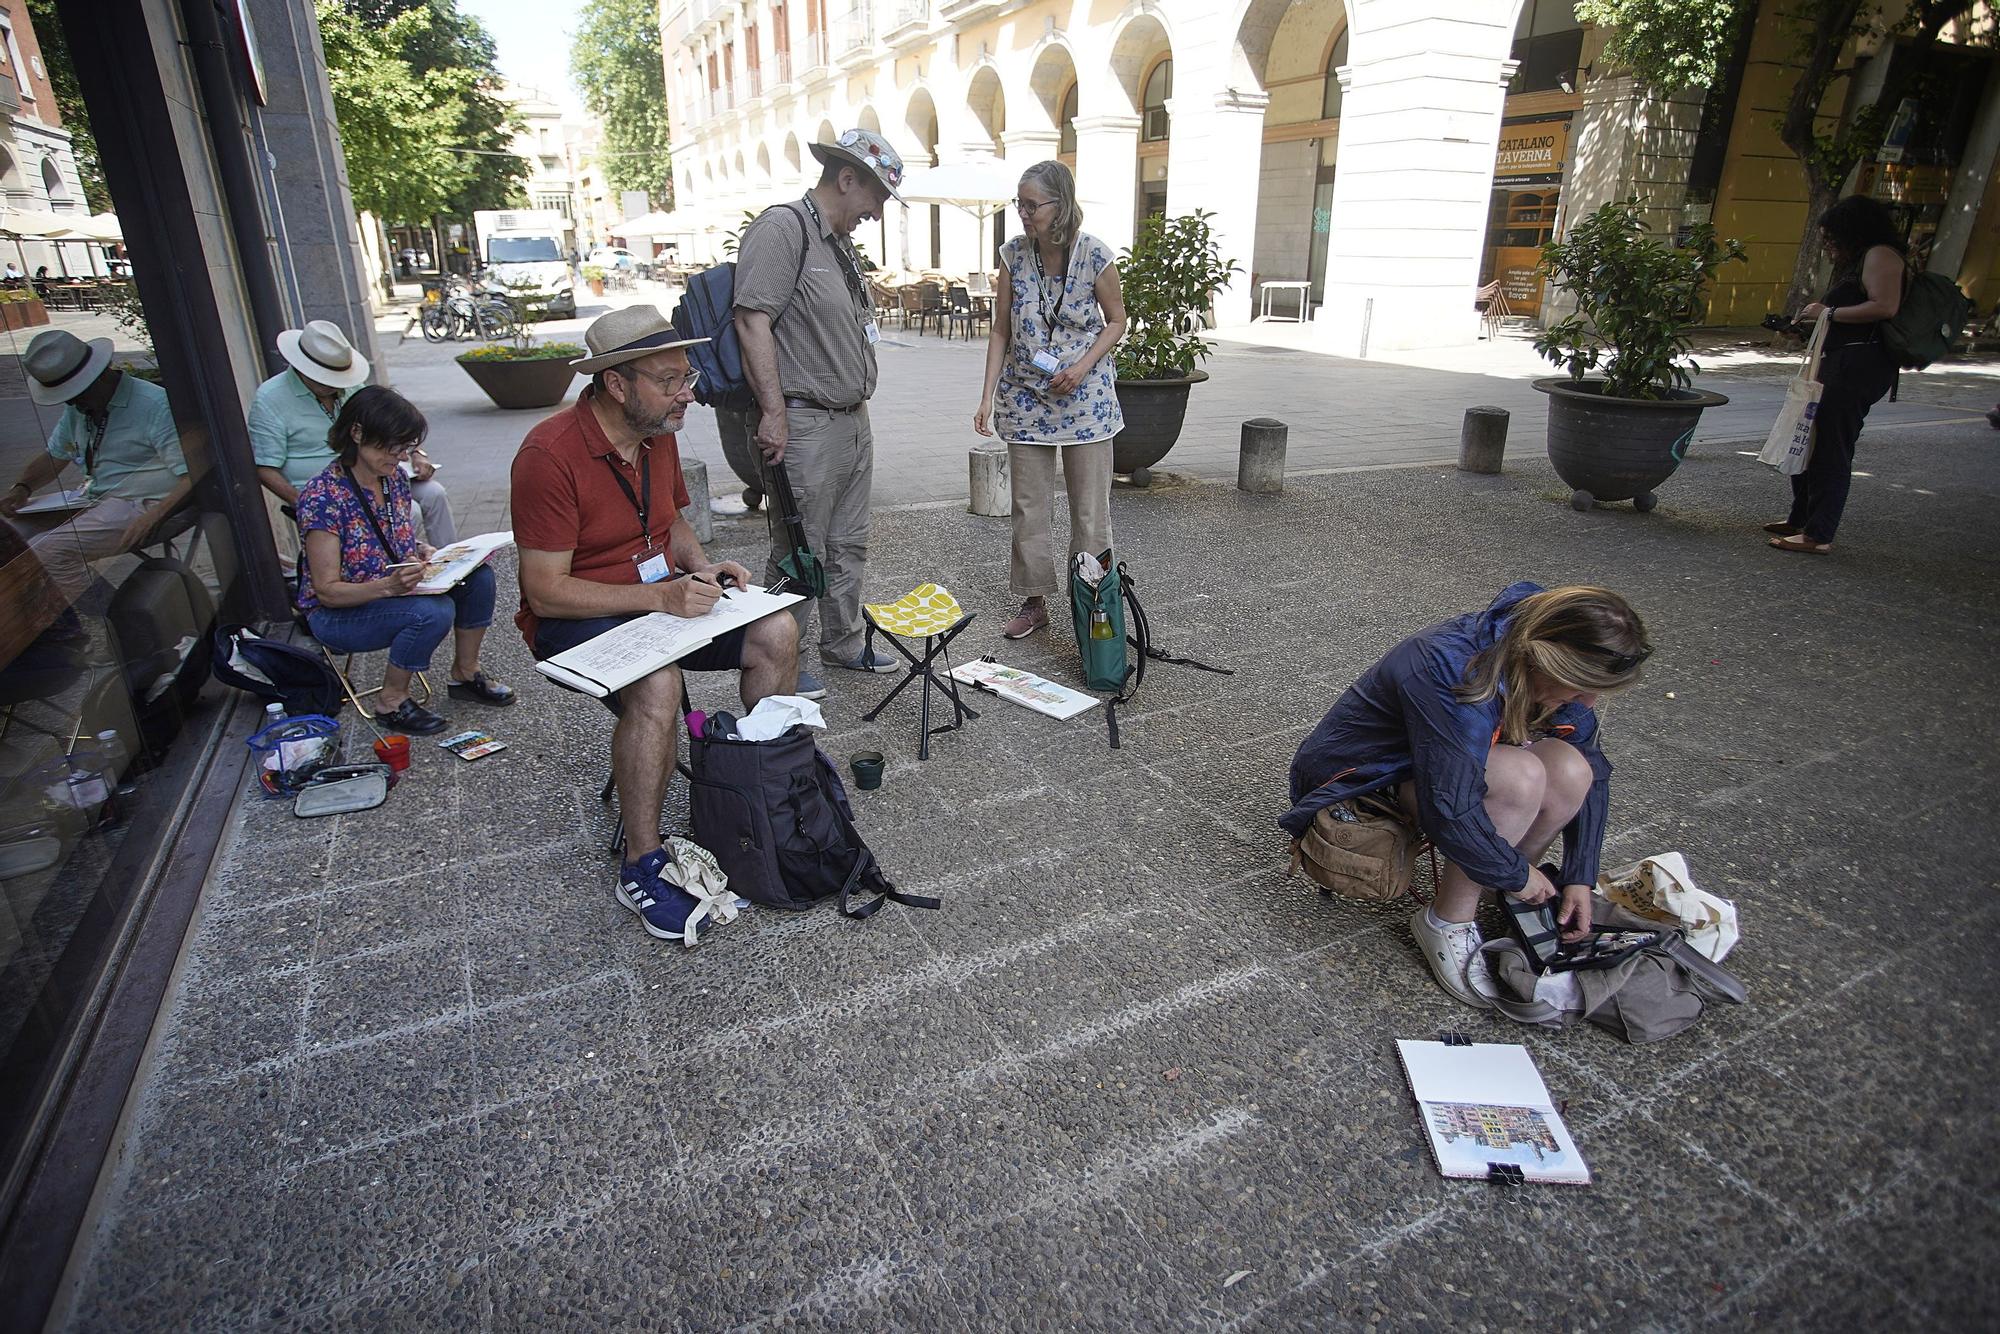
[597, 497]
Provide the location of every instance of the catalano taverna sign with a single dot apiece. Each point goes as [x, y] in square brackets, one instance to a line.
[1532, 151]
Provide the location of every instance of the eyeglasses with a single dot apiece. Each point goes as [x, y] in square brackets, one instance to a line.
[1027, 209]
[670, 385]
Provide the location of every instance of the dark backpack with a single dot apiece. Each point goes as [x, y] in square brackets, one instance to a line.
[708, 310]
[296, 678]
[776, 817]
[158, 620]
[1928, 321]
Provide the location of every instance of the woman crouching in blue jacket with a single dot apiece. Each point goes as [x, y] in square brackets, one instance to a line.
[1485, 730]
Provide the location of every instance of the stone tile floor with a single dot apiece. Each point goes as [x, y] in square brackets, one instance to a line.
[421, 1072]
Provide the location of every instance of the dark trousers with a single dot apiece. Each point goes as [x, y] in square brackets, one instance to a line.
[1854, 377]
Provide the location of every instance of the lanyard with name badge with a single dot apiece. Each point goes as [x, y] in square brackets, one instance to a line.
[852, 272]
[652, 564]
[1046, 360]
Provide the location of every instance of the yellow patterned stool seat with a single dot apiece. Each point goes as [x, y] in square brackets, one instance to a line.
[924, 611]
[928, 614]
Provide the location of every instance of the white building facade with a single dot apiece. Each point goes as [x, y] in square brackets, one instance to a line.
[1354, 146]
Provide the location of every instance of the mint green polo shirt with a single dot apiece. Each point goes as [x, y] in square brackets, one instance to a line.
[139, 454]
[288, 428]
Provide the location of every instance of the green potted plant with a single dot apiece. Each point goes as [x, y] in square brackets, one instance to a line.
[522, 373]
[1620, 421]
[593, 274]
[1171, 276]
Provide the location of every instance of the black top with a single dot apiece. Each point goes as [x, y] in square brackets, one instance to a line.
[1847, 290]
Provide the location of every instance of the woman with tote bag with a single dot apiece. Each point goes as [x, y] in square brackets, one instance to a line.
[1861, 239]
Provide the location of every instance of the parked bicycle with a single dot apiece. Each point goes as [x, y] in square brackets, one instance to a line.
[463, 310]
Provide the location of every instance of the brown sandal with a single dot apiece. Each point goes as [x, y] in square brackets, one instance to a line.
[1782, 528]
[1800, 543]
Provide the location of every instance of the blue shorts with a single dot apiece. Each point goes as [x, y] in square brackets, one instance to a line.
[559, 636]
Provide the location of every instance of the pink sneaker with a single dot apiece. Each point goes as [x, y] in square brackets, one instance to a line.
[1032, 617]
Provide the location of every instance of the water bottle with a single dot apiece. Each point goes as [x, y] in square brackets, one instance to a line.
[83, 786]
[1100, 624]
[273, 713]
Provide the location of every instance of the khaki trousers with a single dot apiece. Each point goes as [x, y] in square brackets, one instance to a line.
[830, 457]
[1032, 572]
[97, 533]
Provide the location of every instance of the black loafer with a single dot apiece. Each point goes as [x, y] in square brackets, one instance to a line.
[411, 719]
[482, 691]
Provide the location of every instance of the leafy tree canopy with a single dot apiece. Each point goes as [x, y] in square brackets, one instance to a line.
[616, 59]
[415, 87]
[1668, 44]
[69, 102]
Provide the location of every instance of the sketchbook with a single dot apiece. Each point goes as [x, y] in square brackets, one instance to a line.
[1488, 1114]
[644, 644]
[997, 678]
[448, 566]
[59, 502]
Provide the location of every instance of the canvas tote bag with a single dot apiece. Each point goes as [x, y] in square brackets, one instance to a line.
[1789, 445]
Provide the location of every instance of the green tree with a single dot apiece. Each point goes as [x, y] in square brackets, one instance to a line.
[69, 102]
[616, 59]
[397, 127]
[1670, 45]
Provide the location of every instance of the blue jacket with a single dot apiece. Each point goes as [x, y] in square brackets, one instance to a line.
[1401, 721]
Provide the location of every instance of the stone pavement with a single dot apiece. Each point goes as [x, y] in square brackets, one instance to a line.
[1343, 414]
[421, 1072]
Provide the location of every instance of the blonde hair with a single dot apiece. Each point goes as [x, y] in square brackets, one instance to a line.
[1052, 178]
[1580, 638]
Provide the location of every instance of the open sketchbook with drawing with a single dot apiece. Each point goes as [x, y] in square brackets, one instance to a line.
[644, 644]
[1488, 1114]
[59, 502]
[1024, 688]
[448, 566]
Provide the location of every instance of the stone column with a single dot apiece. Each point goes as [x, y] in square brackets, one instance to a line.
[1107, 176]
[1027, 147]
[1626, 141]
[1221, 141]
[1419, 128]
[1968, 185]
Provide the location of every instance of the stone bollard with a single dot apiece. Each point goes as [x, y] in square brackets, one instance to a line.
[992, 489]
[695, 473]
[1482, 441]
[1260, 467]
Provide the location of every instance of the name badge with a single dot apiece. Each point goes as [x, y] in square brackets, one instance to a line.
[652, 566]
[1045, 362]
[871, 333]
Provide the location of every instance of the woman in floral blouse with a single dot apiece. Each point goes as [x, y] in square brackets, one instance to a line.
[363, 562]
[1058, 312]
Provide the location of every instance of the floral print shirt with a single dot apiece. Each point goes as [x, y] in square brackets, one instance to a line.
[1058, 313]
[328, 504]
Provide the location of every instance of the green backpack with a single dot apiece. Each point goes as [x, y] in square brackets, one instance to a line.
[1928, 321]
[1097, 613]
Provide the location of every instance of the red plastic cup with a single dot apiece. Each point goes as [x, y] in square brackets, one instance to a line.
[394, 751]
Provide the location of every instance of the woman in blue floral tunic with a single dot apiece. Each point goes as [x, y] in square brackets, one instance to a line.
[1058, 312]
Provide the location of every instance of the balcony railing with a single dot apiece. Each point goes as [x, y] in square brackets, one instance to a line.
[912, 17]
[857, 34]
[781, 68]
[814, 57]
[753, 84]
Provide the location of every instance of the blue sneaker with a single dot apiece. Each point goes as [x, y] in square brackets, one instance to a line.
[810, 686]
[868, 660]
[666, 911]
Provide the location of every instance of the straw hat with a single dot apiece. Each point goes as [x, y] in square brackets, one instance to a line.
[868, 151]
[60, 365]
[321, 353]
[626, 335]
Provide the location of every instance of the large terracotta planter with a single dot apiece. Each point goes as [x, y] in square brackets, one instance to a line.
[1155, 411]
[1619, 448]
[740, 450]
[540, 382]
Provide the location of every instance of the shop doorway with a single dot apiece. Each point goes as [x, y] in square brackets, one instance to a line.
[1521, 222]
[1322, 233]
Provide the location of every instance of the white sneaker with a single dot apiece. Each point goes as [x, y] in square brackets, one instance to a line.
[1453, 954]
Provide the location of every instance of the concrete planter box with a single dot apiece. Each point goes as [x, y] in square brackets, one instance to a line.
[540, 382]
[23, 314]
[1155, 411]
[1619, 448]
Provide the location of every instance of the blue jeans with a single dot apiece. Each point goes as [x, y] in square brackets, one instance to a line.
[411, 627]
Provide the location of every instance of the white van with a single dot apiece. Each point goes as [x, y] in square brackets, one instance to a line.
[529, 246]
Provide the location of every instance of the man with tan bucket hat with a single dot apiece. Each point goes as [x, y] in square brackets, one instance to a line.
[807, 327]
[597, 500]
[292, 412]
[119, 430]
